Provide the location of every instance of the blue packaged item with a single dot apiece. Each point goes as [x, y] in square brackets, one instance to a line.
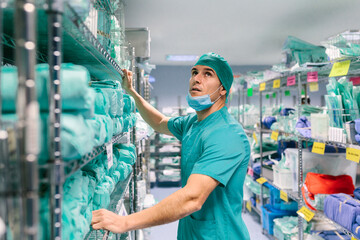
[286, 111]
[303, 126]
[357, 138]
[257, 168]
[357, 193]
[357, 125]
[278, 203]
[343, 209]
[268, 121]
[269, 213]
[332, 235]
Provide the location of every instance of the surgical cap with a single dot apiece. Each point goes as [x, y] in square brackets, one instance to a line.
[220, 66]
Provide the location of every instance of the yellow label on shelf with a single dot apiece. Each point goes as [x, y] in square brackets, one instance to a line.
[255, 138]
[276, 83]
[261, 180]
[314, 87]
[284, 196]
[274, 135]
[306, 213]
[353, 154]
[340, 69]
[248, 206]
[318, 148]
[352, 238]
[262, 87]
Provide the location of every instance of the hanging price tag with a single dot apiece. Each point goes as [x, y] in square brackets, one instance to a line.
[261, 180]
[284, 196]
[318, 148]
[314, 87]
[287, 93]
[255, 138]
[306, 213]
[291, 80]
[276, 83]
[340, 69]
[274, 95]
[249, 92]
[109, 153]
[312, 77]
[353, 154]
[267, 96]
[248, 206]
[274, 135]
[262, 87]
[352, 238]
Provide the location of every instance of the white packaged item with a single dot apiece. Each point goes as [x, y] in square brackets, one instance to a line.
[337, 135]
[350, 131]
[319, 126]
[283, 177]
[2, 228]
[330, 163]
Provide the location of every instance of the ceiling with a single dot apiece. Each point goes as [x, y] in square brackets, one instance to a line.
[245, 32]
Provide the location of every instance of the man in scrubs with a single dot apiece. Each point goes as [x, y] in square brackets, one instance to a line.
[214, 158]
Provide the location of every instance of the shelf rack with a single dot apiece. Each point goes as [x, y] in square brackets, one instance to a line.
[301, 80]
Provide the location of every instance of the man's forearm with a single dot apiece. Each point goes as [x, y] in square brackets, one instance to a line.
[178, 205]
[150, 114]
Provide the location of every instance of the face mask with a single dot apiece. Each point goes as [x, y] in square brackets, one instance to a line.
[201, 102]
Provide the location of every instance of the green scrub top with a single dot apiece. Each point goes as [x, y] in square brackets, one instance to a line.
[217, 147]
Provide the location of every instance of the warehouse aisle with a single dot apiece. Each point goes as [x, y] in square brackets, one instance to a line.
[169, 231]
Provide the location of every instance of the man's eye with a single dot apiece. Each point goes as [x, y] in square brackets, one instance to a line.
[194, 73]
[208, 74]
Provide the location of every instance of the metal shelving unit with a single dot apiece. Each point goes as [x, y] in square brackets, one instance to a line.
[65, 38]
[301, 81]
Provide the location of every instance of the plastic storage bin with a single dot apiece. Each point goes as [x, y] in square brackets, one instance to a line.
[331, 163]
[269, 213]
[283, 177]
[278, 203]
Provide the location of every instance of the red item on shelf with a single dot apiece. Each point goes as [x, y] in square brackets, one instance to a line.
[316, 183]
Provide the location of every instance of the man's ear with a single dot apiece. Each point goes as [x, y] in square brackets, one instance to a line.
[223, 91]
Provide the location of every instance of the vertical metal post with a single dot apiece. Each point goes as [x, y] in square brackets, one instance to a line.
[1, 58]
[147, 142]
[243, 102]
[27, 108]
[55, 10]
[300, 168]
[261, 150]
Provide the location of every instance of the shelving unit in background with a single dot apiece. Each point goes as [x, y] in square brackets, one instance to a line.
[300, 85]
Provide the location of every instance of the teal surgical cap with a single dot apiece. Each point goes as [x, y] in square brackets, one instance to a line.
[220, 66]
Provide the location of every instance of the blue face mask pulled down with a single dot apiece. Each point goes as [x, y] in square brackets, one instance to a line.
[201, 102]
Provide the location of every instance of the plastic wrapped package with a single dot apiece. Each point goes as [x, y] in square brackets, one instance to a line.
[334, 106]
[351, 106]
[303, 126]
[96, 169]
[120, 103]
[143, 129]
[102, 103]
[76, 137]
[320, 126]
[331, 163]
[101, 197]
[129, 121]
[255, 187]
[113, 100]
[117, 126]
[286, 227]
[76, 95]
[98, 125]
[129, 103]
[124, 169]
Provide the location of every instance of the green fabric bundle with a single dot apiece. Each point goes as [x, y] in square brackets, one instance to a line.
[117, 126]
[102, 104]
[129, 121]
[98, 125]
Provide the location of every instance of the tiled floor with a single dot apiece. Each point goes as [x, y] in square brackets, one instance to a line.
[168, 231]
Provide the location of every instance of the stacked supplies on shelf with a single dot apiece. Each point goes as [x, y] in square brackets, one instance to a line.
[328, 235]
[90, 189]
[287, 227]
[344, 210]
[114, 111]
[77, 105]
[331, 164]
[269, 214]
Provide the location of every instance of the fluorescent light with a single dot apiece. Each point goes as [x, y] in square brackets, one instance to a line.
[182, 58]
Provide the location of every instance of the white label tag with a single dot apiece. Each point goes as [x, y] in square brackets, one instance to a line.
[109, 152]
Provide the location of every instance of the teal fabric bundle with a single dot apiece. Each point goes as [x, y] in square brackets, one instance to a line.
[75, 92]
[102, 103]
[124, 170]
[112, 96]
[117, 126]
[76, 137]
[129, 103]
[98, 126]
[334, 106]
[129, 121]
[127, 153]
[120, 103]
[102, 196]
